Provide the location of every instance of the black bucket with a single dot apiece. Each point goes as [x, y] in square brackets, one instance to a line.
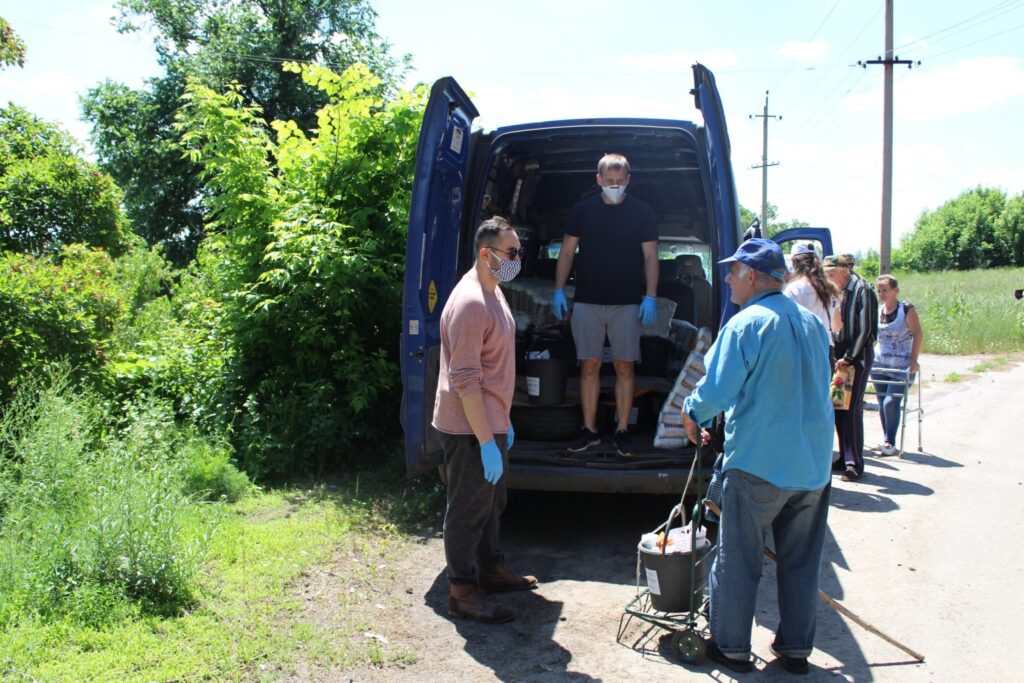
[670, 585]
[545, 381]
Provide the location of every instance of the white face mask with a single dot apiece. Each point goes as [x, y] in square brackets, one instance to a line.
[507, 270]
[614, 194]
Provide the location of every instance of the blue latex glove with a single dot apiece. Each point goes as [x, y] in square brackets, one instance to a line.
[559, 305]
[648, 310]
[511, 436]
[490, 456]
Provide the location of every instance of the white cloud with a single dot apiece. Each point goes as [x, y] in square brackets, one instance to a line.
[680, 61]
[804, 51]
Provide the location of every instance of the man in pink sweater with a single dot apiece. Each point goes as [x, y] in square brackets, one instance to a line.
[474, 399]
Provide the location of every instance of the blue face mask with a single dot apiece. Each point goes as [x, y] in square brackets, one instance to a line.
[507, 270]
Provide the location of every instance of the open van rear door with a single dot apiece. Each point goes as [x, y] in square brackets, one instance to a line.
[719, 150]
[431, 261]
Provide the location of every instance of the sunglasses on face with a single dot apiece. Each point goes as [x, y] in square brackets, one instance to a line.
[511, 253]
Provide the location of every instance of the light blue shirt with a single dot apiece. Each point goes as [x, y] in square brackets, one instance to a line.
[768, 371]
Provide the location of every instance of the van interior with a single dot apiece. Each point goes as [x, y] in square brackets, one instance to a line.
[532, 176]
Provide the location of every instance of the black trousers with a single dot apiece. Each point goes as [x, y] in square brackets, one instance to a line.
[473, 515]
[850, 423]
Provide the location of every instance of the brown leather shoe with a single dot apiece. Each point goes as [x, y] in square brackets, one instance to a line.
[500, 579]
[466, 600]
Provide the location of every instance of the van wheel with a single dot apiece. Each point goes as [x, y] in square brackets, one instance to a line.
[547, 423]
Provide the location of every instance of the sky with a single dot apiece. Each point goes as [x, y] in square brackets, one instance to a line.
[957, 122]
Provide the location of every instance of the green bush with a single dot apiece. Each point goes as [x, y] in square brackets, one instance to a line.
[208, 471]
[304, 262]
[49, 196]
[98, 521]
[61, 308]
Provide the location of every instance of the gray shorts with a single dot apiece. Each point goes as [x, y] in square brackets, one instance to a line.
[591, 322]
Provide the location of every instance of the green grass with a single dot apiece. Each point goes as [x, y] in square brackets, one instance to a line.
[953, 377]
[994, 363]
[967, 311]
[249, 621]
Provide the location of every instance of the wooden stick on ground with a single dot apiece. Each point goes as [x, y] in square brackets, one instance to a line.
[835, 604]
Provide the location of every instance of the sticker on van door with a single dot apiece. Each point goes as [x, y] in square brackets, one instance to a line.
[457, 140]
[431, 297]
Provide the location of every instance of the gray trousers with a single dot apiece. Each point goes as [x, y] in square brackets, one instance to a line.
[473, 515]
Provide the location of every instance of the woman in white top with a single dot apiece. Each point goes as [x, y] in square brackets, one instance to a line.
[809, 287]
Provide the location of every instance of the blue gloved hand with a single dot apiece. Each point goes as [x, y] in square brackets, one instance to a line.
[490, 456]
[559, 304]
[648, 310]
[511, 436]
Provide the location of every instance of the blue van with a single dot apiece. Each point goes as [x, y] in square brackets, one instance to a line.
[531, 174]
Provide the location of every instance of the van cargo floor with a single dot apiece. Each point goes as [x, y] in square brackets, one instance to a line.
[602, 456]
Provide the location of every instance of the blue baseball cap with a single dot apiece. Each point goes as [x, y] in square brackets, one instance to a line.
[760, 254]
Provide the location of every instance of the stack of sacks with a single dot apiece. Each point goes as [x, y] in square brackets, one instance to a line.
[530, 300]
[670, 432]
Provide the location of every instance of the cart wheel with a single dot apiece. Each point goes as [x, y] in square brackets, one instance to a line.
[688, 646]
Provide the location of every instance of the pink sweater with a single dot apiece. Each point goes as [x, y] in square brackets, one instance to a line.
[477, 355]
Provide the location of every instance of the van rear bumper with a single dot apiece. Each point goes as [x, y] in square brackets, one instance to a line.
[664, 480]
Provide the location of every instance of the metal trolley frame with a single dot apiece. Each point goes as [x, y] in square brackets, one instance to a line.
[688, 628]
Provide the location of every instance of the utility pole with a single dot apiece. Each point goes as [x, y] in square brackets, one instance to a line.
[764, 164]
[885, 252]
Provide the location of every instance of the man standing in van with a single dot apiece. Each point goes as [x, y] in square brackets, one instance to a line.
[471, 413]
[616, 290]
[768, 371]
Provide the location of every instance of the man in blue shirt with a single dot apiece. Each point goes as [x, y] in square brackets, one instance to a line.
[768, 371]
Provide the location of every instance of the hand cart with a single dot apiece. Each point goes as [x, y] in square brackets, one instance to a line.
[689, 624]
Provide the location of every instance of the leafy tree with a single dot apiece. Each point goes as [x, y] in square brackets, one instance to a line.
[12, 47]
[1009, 232]
[305, 251]
[49, 196]
[134, 138]
[959, 235]
[215, 43]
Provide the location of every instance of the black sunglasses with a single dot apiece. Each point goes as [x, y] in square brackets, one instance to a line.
[512, 253]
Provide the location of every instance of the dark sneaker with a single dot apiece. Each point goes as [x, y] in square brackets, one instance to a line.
[587, 439]
[740, 666]
[623, 444]
[850, 474]
[794, 665]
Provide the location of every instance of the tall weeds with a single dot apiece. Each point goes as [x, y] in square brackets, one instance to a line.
[98, 520]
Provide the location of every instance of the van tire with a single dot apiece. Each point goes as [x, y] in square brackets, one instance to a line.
[547, 423]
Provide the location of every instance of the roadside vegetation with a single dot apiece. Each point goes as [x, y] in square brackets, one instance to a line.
[209, 314]
[967, 311]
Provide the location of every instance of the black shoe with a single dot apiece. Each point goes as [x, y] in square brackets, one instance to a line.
[623, 444]
[586, 440]
[740, 666]
[850, 474]
[794, 665]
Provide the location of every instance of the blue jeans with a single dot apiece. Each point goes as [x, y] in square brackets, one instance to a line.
[890, 402]
[797, 519]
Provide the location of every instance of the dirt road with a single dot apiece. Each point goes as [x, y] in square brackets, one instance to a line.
[927, 548]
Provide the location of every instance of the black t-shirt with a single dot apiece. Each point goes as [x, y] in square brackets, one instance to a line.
[610, 262]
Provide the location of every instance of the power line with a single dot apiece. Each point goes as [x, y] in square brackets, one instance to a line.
[789, 70]
[981, 40]
[999, 9]
[838, 58]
